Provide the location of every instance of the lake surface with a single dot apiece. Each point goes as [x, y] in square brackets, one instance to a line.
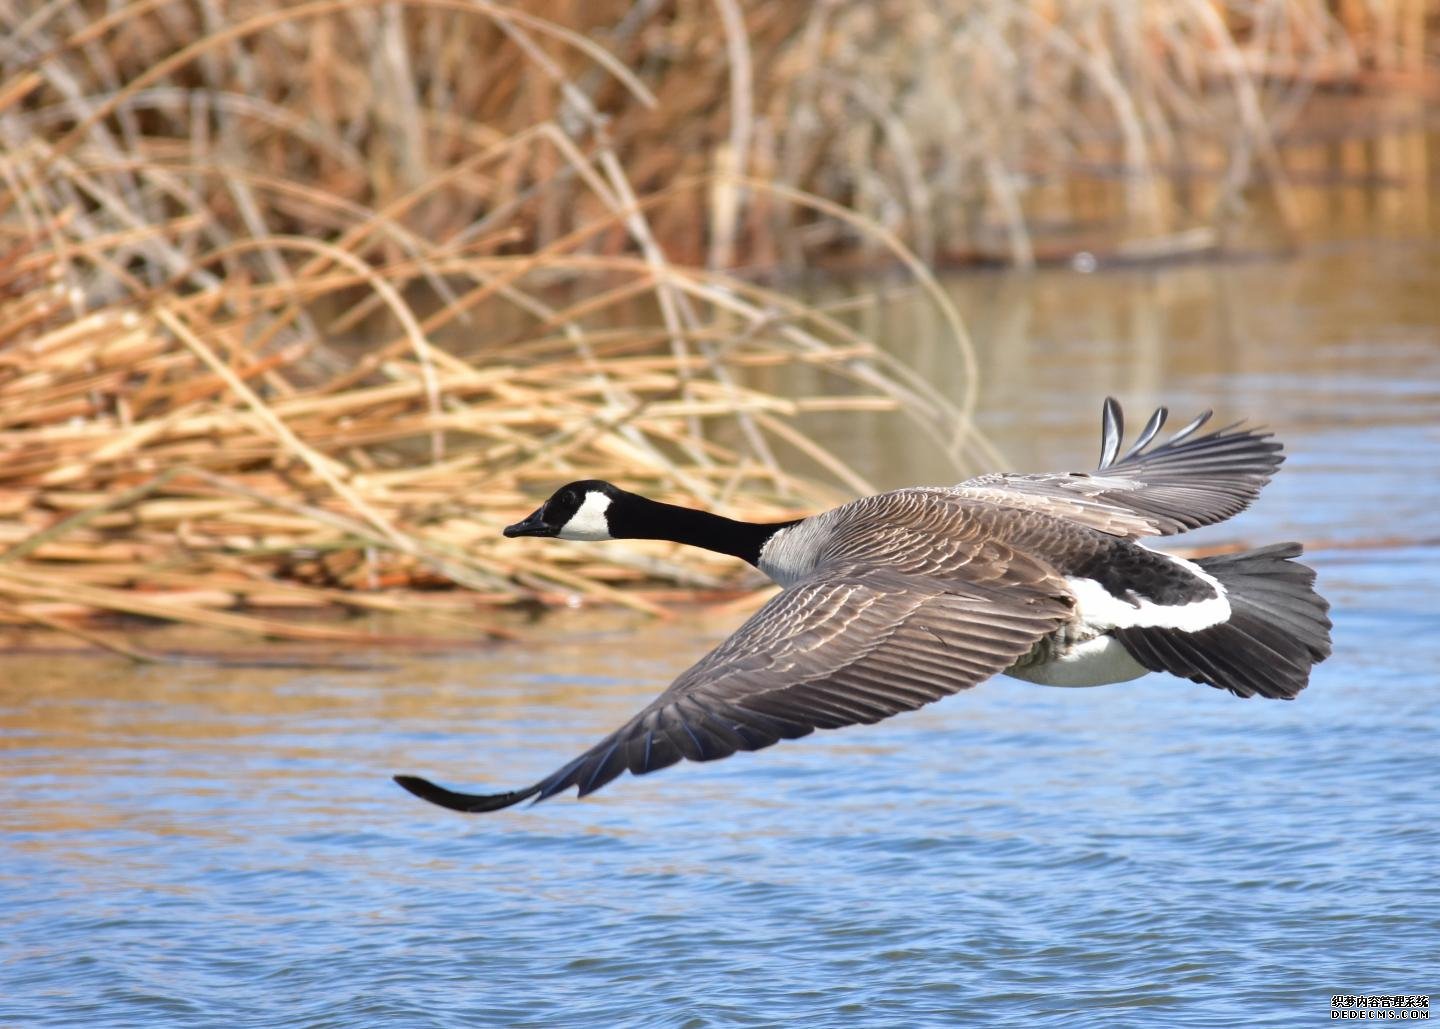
[220, 847]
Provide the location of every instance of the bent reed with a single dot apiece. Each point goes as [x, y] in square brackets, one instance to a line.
[300, 303]
[249, 360]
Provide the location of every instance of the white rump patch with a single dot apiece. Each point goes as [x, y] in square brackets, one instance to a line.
[589, 521]
[1096, 662]
[1100, 611]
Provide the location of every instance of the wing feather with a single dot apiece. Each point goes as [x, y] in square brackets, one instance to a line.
[1184, 483]
[839, 649]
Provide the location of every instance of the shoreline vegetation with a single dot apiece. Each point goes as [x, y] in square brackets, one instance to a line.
[300, 303]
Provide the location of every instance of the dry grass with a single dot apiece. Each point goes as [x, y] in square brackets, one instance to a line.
[154, 462]
[299, 303]
[190, 427]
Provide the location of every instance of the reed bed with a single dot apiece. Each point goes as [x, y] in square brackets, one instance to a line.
[249, 366]
[181, 456]
[300, 303]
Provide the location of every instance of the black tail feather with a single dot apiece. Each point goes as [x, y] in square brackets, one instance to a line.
[1278, 628]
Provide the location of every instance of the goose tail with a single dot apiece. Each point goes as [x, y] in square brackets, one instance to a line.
[1277, 630]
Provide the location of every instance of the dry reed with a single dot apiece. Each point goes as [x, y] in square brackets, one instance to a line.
[260, 351]
[299, 303]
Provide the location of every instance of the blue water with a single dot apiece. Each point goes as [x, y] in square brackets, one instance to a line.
[222, 847]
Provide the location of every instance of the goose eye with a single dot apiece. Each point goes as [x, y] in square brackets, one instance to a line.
[568, 498]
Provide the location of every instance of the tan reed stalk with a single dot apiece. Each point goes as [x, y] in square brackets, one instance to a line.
[297, 311]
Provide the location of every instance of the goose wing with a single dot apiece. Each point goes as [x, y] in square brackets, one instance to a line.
[848, 645]
[1184, 483]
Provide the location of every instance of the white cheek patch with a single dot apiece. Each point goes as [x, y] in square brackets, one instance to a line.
[1101, 611]
[589, 521]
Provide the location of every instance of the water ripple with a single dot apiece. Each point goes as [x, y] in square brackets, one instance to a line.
[221, 848]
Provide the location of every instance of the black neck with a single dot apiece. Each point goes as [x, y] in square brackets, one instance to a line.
[643, 519]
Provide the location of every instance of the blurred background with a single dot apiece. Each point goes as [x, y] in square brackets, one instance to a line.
[301, 303]
[322, 295]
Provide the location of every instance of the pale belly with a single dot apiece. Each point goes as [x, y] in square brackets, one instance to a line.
[1096, 662]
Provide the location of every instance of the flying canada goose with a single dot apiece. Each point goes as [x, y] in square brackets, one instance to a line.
[899, 599]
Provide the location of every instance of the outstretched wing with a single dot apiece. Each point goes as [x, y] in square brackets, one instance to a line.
[843, 647]
[1184, 483]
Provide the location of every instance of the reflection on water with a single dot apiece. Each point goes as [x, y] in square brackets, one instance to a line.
[202, 846]
[1307, 345]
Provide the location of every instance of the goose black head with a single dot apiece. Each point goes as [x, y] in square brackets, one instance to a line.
[579, 511]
